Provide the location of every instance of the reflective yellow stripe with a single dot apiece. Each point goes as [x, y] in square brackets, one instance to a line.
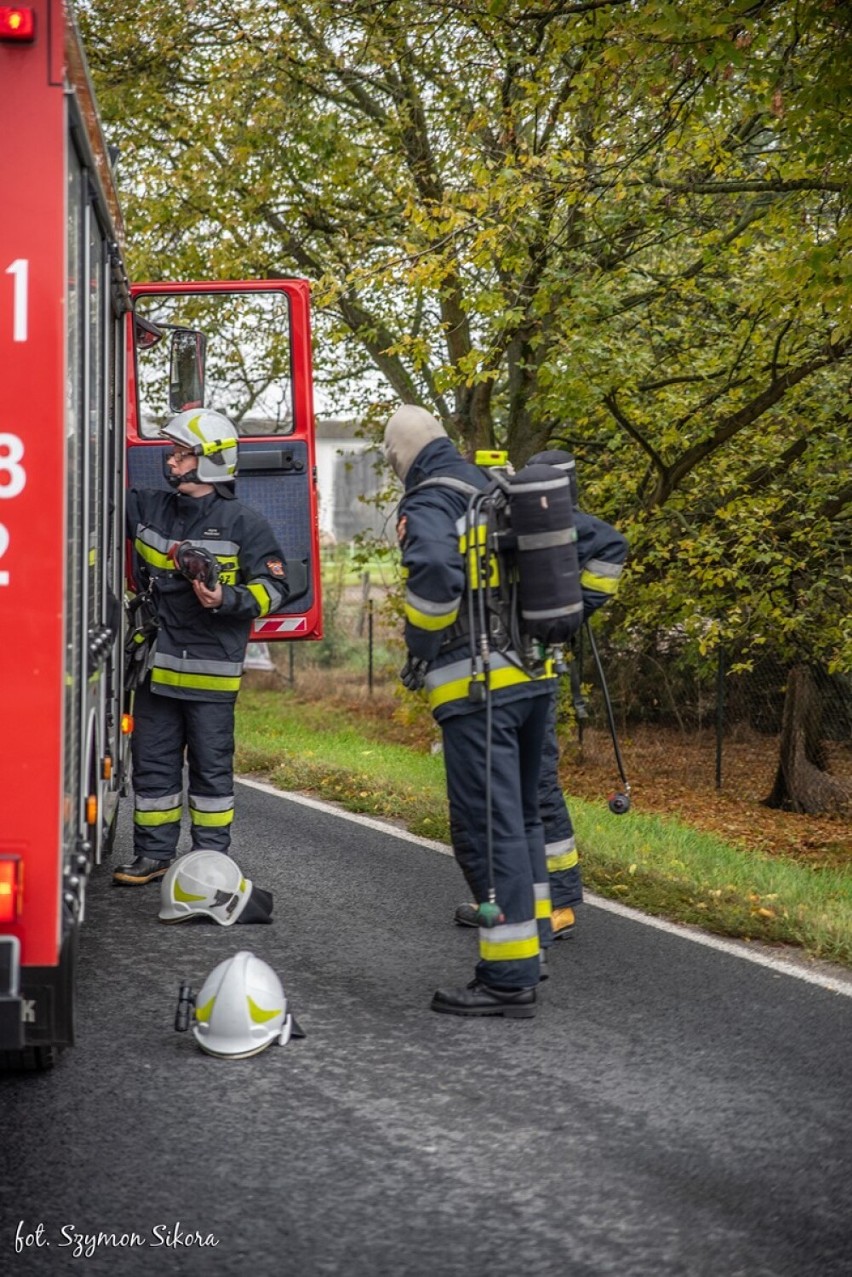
[476, 556]
[157, 817]
[543, 908]
[211, 818]
[152, 556]
[203, 1013]
[508, 676]
[511, 952]
[258, 1015]
[261, 594]
[603, 584]
[423, 621]
[568, 861]
[186, 896]
[205, 682]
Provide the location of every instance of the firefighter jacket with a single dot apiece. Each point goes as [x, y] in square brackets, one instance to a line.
[200, 651]
[431, 531]
[601, 551]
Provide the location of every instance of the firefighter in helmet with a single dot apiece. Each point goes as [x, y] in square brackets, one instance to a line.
[501, 852]
[209, 566]
[601, 551]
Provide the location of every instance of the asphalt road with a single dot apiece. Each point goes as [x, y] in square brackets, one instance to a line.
[670, 1110]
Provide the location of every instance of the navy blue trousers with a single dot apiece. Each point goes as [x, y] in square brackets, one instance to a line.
[566, 883]
[509, 953]
[167, 731]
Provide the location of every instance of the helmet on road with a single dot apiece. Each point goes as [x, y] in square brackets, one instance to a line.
[241, 1009]
[211, 884]
[212, 438]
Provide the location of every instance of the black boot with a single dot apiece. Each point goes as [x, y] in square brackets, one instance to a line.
[482, 999]
[141, 870]
[467, 915]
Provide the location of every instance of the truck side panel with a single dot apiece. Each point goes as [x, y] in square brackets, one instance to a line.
[33, 236]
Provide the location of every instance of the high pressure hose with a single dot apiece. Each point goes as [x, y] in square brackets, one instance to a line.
[619, 803]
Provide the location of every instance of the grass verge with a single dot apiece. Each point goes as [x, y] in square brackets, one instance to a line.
[661, 865]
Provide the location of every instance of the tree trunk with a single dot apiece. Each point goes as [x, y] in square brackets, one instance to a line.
[802, 783]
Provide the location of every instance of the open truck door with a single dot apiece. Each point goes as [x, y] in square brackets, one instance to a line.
[242, 349]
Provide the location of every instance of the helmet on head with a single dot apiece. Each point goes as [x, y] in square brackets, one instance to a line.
[211, 884]
[241, 1009]
[212, 438]
[560, 460]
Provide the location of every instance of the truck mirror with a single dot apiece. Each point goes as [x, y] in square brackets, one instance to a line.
[186, 369]
[147, 334]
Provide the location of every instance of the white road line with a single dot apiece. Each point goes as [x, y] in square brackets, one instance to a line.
[737, 949]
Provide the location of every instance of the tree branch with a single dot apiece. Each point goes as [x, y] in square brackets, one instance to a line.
[611, 401]
[731, 426]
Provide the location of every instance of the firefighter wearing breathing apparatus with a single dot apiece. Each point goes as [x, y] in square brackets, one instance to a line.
[492, 710]
[209, 566]
[601, 551]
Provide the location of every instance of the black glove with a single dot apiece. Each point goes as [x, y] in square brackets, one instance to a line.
[413, 673]
[196, 563]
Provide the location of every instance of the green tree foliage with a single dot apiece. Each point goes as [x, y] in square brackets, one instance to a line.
[611, 224]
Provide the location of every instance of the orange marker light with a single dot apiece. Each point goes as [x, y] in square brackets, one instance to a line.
[91, 809]
[10, 888]
[17, 24]
[126, 724]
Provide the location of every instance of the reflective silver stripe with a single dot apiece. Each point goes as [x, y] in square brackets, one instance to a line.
[149, 537]
[509, 932]
[543, 904]
[541, 486]
[204, 802]
[276, 596]
[218, 548]
[552, 611]
[598, 568]
[429, 606]
[560, 847]
[546, 540]
[446, 481]
[165, 802]
[184, 665]
[512, 942]
[461, 669]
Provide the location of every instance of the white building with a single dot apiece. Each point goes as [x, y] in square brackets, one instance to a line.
[346, 472]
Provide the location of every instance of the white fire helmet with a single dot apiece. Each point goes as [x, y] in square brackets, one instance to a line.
[212, 438]
[241, 1009]
[211, 884]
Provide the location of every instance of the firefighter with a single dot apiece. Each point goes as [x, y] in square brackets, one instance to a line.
[211, 565]
[431, 532]
[601, 551]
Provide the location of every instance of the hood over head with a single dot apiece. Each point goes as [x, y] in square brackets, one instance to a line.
[407, 434]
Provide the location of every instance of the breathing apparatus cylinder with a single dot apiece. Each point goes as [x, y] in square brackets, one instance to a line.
[551, 602]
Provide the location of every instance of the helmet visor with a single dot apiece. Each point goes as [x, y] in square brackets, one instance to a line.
[258, 907]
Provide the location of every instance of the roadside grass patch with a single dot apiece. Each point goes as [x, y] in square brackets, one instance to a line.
[658, 864]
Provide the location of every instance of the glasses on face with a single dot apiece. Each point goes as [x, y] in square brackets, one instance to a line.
[180, 454]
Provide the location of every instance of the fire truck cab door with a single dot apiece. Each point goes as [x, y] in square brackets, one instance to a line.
[242, 349]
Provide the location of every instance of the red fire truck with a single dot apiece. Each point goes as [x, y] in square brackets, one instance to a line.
[90, 368]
